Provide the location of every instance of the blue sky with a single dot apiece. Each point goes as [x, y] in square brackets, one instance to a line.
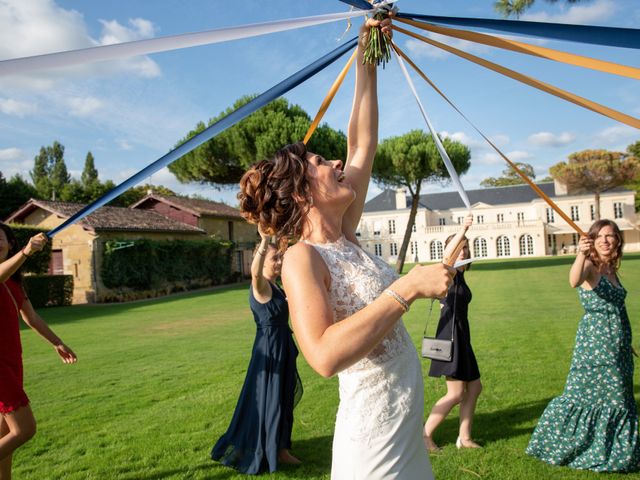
[130, 112]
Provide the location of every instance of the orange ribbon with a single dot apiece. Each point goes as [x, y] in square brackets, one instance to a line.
[329, 98]
[528, 49]
[522, 175]
[545, 87]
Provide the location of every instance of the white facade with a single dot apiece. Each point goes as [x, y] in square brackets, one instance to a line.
[506, 230]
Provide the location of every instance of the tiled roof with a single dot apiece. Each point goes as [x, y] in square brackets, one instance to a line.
[196, 206]
[447, 200]
[109, 218]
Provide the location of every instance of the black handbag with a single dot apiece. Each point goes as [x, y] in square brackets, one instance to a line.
[435, 348]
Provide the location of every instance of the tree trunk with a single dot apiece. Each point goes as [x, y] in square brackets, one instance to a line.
[597, 209]
[415, 199]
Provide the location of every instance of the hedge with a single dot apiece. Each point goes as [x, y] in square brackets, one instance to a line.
[156, 265]
[49, 290]
[39, 262]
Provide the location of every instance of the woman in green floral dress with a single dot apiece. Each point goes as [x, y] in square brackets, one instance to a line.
[594, 424]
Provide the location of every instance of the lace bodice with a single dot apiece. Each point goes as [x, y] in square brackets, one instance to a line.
[383, 385]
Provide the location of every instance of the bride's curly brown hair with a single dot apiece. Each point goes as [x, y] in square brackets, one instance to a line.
[275, 194]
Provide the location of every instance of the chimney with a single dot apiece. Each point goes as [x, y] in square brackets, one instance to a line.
[401, 199]
[559, 187]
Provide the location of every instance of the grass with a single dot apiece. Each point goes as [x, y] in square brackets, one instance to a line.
[157, 381]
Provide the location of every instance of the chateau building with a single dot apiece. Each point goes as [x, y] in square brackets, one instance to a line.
[509, 222]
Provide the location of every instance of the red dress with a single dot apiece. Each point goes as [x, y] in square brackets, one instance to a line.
[12, 395]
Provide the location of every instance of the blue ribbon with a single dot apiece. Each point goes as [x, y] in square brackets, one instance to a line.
[362, 4]
[215, 129]
[609, 36]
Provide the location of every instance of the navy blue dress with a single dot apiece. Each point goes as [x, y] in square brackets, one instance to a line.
[463, 366]
[263, 419]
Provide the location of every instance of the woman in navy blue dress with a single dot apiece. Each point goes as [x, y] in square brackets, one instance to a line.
[259, 436]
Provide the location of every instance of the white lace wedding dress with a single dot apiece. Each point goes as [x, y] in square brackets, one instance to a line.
[378, 433]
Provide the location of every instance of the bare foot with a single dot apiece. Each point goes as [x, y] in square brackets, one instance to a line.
[430, 444]
[285, 457]
[468, 443]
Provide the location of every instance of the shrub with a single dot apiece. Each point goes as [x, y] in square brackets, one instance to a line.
[49, 290]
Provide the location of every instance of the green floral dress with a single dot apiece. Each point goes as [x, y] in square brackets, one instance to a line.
[594, 424]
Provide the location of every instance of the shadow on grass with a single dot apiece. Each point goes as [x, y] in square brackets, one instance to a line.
[315, 454]
[495, 426]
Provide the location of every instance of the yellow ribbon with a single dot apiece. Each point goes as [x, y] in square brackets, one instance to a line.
[329, 98]
[545, 87]
[528, 49]
[522, 175]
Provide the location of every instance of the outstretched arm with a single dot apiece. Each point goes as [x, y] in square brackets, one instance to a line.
[35, 321]
[362, 136]
[11, 265]
[582, 268]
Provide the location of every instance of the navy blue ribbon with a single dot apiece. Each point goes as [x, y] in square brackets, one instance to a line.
[215, 129]
[609, 36]
[362, 4]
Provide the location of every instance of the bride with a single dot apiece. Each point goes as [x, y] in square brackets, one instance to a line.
[346, 305]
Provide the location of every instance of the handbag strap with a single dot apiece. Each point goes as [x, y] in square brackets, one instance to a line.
[15, 304]
[453, 327]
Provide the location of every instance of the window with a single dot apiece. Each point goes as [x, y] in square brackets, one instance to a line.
[551, 241]
[480, 219]
[526, 245]
[435, 249]
[550, 215]
[392, 227]
[520, 217]
[413, 227]
[378, 249]
[357, 233]
[393, 247]
[503, 248]
[376, 228]
[460, 219]
[575, 213]
[574, 239]
[414, 248]
[230, 228]
[500, 218]
[442, 221]
[479, 247]
[593, 212]
[56, 263]
[617, 209]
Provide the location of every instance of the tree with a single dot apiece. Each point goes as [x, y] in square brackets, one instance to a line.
[510, 177]
[410, 160]
[14, 193]
[89, 173]
[49, 174]
[224, 159]
[595, 171]
[516, 7]
[634, 151]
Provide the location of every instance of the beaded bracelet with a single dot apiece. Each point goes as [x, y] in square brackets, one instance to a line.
[403, 303]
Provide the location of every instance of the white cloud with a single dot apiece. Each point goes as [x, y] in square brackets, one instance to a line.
[616, 137]
[40, 26]
[14, 160]
[84, 106]
[518, 155]
[9, 106]
[500, 139]
[487, 158]
[596, 12]
[11, 153]
[548, 139]
[124, 145]
[418, 48]
[465, 139]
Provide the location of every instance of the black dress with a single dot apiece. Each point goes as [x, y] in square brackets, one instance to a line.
[263, 418]
[463, 366]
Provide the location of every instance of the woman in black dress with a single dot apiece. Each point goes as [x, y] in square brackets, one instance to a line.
[259, 436]
[462, 374]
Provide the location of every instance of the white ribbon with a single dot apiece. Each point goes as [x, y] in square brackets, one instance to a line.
[462, 263]
[162, 44]
[443, 153]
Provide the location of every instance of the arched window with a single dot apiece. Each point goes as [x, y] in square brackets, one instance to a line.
[479, 247]
[435, 250]
[503, 248]
[526, 245]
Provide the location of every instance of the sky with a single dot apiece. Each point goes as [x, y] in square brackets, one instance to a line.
[130, 112]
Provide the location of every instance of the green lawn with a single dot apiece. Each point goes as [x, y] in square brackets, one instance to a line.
[157, 381]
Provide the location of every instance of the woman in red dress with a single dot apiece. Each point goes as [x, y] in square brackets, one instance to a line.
[17, 424]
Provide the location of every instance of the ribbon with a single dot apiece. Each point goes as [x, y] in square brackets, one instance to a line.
[361, 4]
[443, 153]
[533, 82]
[528, 49]
[210, 132]
[522, 175]
[597, 35]
[162, 44]
[329, 98]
